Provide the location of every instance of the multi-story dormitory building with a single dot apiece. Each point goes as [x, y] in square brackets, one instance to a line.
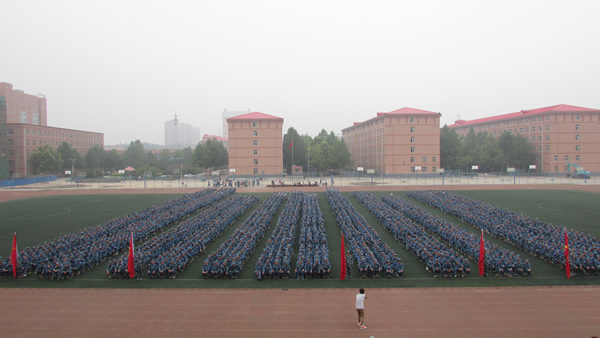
[402, 141]
[24, 127]
[558, 134]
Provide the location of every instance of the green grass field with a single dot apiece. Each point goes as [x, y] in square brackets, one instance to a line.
[43, 219]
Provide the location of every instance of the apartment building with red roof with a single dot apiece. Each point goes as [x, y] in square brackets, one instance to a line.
[255, 144]
[560, 135]
[402, 141]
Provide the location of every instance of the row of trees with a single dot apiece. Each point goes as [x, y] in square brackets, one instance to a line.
[490, 153]
[96, 161]
[325, 152]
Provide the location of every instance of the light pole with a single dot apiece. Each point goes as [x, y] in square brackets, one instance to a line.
[72, 168]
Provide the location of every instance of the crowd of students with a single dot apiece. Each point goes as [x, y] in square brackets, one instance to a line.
[168, 254]
[541, 239]
[73, 254]
[438, 259]
[275, 260]
[373, 256]
[228, 260]
[313, 253]
[498, 260]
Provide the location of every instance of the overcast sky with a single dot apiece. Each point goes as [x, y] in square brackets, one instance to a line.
[123, 68]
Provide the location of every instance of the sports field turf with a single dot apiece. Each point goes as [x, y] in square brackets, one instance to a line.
[43, 219]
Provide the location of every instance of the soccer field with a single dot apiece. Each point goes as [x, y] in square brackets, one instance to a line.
[43, 219]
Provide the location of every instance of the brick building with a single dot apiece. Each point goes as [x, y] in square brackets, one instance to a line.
[23, 128]
[401, 141]
[256, 144]
[558, 134]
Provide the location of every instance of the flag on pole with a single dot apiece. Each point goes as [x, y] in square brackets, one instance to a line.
[131, 259]
[291, 144]
[14, 256]
[567, 264]
[343, 261]
[481, 256]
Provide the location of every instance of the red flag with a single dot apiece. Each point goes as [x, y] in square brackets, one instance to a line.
[130, 259]
[291, 144]
[343, 261]
[567, 264]
[14, 256]
[481, 256]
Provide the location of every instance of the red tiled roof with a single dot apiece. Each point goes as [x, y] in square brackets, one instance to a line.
[255, 116]
[556, 108]
[216, 137]
[410, 111]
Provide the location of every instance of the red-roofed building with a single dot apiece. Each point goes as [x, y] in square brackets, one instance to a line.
[401, 141]
[256, 144]
[558, 134]
[221, 139]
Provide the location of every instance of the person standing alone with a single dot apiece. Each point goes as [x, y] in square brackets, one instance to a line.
[360, 308]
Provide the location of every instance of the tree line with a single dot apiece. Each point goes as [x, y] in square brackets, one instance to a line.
[489, 153]
[97, 162]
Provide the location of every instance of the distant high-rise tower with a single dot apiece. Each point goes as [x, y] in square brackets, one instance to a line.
[227, 114]
[179, 135]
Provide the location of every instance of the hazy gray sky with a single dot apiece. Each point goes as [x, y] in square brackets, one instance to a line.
[124, 67]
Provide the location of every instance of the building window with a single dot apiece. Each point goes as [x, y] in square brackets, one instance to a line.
[424, 159]
[540, 138]
[577, 127]
[547, 127]
[255, 171]
[520, 130]
[255, 142]
[10, 131]
[255, 161]
[555, 158]
[11, 152]
[577, 147]
[412, 120]
[33, 132]
[11, 141]
[26, 131]
[412, 169]
[27, 142]
[547, 148]
[255, 133]
[434, 159]
[576, 117]
[423, 169]
[526, 129]
[547, 117]
[434, 169]
[576, 158]
[412, 129]
[566, 158]
[539, 148]
[577, 138]
[547, 137]
[556, 168]
[255, 151]
[539, 128]
[412, 149]
[11, 163]
[412, 140]
[412, 160]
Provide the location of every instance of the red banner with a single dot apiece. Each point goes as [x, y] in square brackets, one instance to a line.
[481, 256]
[131, 259]
[343, 261]
[14, 256]
[567, 264]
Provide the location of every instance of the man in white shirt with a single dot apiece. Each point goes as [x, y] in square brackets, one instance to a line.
[360, 308]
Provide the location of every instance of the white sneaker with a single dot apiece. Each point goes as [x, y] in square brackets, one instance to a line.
[362, 327]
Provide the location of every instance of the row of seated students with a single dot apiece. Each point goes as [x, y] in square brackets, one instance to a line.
[373, 256]
[228, 260]
[313, 255]
[498, 260]
[169, 253]
[541, 239]
[81, 251]
[275, 260]
[429, 250]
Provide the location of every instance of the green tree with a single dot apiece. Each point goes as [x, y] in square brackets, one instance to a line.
[67, 153]
[134, 155]
[450, 149]
[95, 157]
[211, 154]
[298, 147]
[46, 160]
[113, 161]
